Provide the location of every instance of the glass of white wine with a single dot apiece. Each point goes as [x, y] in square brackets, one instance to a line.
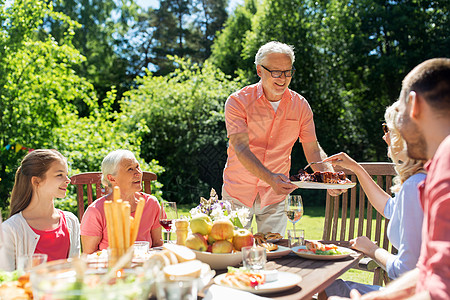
[294, 209]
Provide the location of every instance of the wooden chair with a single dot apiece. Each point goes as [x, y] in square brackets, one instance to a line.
[91, 179]
[336, 227]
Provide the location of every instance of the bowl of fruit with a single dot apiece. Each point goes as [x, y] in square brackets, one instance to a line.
[217, 243]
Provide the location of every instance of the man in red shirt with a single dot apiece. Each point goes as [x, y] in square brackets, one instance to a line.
[264, 121]
[424, 122]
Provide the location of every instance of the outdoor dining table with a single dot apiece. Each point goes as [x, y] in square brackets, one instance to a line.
[316, 274]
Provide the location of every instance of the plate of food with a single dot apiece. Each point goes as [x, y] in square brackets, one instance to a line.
[281, 251]
[317, 250]
[257, 283]
[321, 180]
[270, 237]
[321, 185]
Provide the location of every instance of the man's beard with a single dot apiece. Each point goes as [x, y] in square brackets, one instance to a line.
[415, 141]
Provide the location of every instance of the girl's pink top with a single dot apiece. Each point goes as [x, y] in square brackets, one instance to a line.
[93, 222]
[55, 242]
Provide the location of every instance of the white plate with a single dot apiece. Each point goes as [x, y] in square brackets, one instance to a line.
[285, 281]
[323, 257]
[219, 261]
[281, 251]
[321, 185]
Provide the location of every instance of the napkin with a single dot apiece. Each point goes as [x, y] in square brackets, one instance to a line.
[217, 292]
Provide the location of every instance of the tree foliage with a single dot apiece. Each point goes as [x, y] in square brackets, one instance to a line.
[181, 123]
[350, 59]
[39, 88]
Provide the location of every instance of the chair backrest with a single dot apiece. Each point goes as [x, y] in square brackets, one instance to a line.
[337, 208]
[335, 225]
[90, 179]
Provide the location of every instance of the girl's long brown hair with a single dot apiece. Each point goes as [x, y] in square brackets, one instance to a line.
[35, 163]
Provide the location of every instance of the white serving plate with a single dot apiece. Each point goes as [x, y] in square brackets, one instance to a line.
[323, 257]
[321, 185]
[285, 281]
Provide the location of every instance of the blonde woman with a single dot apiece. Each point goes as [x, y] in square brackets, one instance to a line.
[404, 210]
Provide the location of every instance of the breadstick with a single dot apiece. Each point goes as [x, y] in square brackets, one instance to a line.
[118, 231]
[131, 230]
[137, 218]
[126, 224]
[116, 193]
[110, 224]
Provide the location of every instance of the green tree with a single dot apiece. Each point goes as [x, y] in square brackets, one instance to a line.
[101, 39]
[38, 88]
[227, 49]
[181, 123]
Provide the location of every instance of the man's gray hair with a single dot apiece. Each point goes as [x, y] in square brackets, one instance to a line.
[110, 164]
[274, 47]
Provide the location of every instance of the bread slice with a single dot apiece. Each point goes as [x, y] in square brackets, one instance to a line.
[182, 253]
[160, 257]
[192, 269]
[171, 256]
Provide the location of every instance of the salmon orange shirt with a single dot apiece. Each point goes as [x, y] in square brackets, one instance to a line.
[94, 220]
[434, 260]
[271, 138]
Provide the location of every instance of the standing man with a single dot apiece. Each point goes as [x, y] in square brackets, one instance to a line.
[263, 121]
[424, 122]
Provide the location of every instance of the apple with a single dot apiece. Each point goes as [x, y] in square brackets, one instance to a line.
[201, 223]
[210, 240]
[197, 242]
[242, 238]
[209, 248]
[222, 230]
[222, 247]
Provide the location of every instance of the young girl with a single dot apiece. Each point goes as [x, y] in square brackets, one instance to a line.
[35, 225]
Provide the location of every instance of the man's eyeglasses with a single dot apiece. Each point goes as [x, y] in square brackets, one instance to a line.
[277, 74]
[385, 128]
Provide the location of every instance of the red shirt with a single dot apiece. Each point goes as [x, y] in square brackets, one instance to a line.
[434, 260]
[55, 242]
[94, 220]
[271, 138]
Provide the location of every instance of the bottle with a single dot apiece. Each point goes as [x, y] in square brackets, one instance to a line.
[181, 229]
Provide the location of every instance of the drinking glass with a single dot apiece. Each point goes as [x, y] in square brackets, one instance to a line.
[167, 215]
[254, 258]
[294, 209]
[26, 262]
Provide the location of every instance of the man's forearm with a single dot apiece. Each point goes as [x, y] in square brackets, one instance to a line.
[401, 288]
[253, 164]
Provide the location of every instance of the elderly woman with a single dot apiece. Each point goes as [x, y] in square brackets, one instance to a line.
[120, 168]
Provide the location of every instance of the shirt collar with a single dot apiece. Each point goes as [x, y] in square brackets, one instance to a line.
[260, 93]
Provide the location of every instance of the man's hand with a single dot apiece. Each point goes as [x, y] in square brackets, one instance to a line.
[281, 184]
[336, 192]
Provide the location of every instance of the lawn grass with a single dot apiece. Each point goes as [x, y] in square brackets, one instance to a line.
[312, 223]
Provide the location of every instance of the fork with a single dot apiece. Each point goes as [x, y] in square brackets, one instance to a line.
[319, 162]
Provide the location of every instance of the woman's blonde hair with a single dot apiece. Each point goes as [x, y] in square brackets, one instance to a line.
[34, 164]
[404, 166]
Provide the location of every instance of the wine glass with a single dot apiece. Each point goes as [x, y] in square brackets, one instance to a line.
[294, 209]
[168, 213]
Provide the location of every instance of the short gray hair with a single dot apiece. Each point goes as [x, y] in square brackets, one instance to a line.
[274, 47]
[110, 164]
